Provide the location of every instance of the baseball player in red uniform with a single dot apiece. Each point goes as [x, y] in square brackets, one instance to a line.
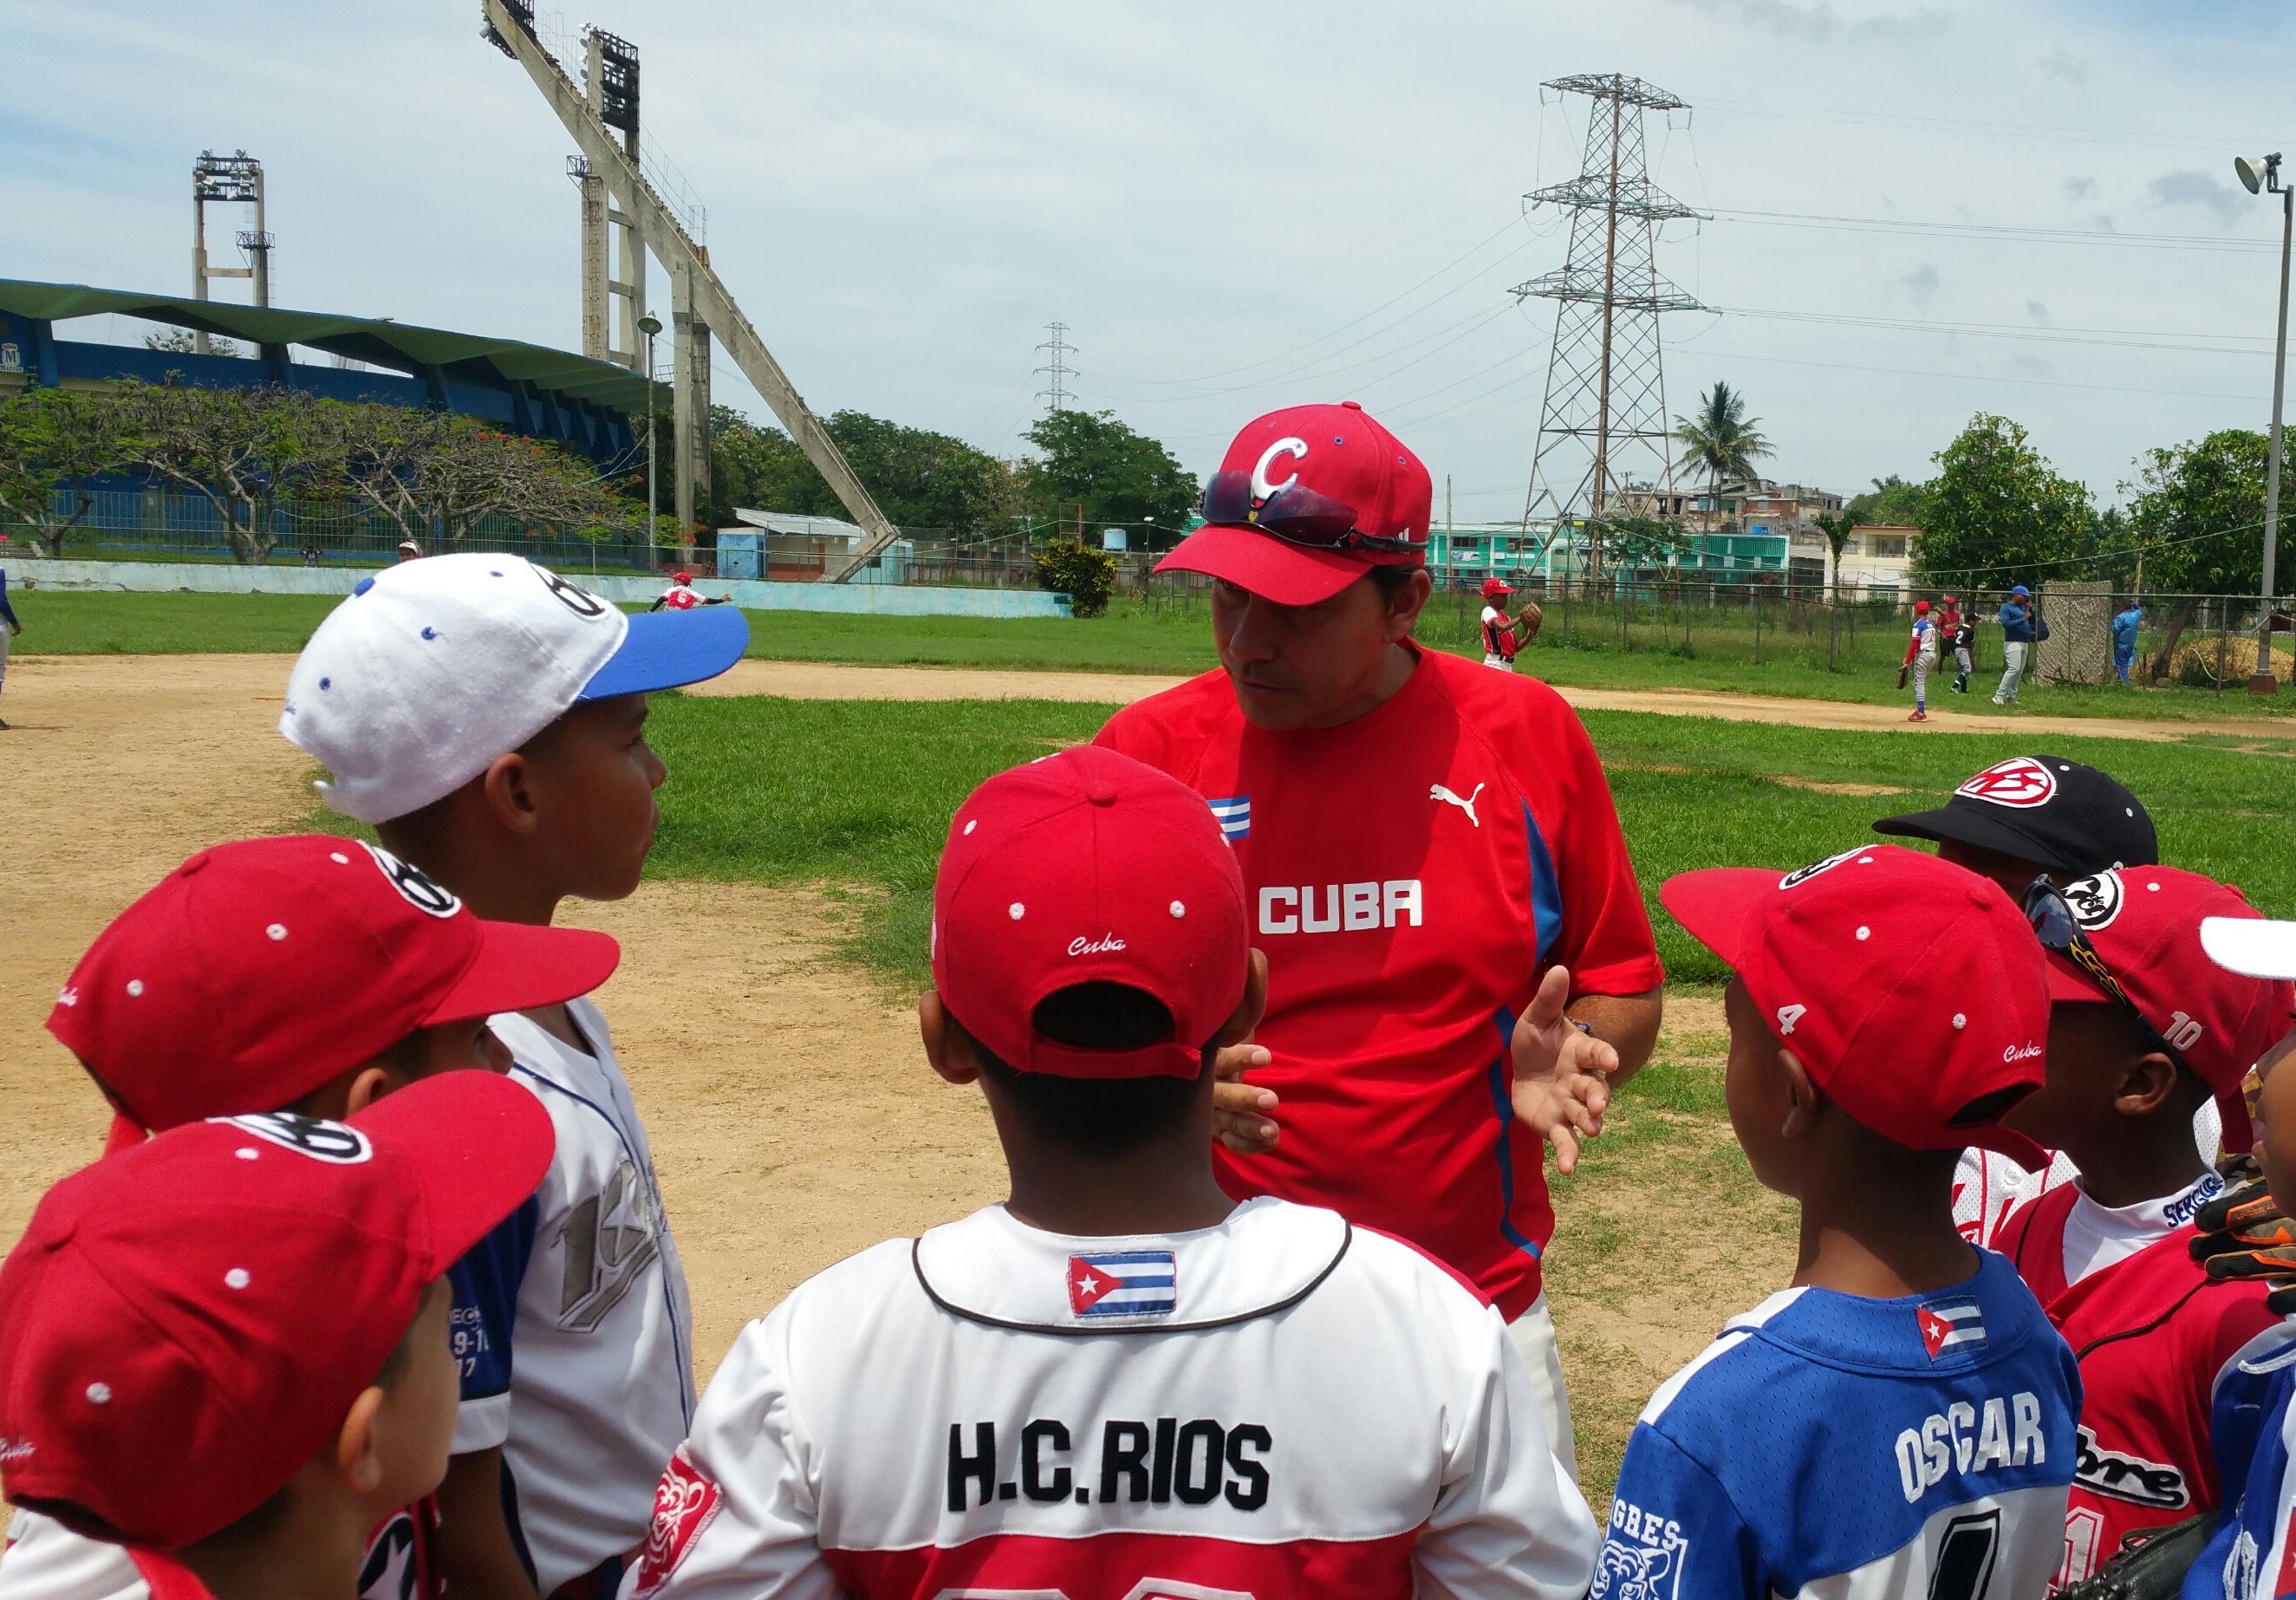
[1121, 1382]
[2143, 1026]
[1459, 960]
[1500, 638]
[226, 1349]
[683, 597]
[300, 976]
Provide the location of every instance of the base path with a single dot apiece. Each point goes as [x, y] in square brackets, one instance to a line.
[813, 680]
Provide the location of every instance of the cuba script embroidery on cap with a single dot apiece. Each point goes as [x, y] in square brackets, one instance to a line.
[417, 887]
[1125, 1282]
[336, 1144]
[2019, 782]
[1803, 875]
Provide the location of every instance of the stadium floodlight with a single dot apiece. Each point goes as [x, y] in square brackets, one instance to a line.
[2262, 175]
[650, 324]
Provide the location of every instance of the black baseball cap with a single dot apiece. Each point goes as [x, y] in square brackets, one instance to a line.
[2061, 816]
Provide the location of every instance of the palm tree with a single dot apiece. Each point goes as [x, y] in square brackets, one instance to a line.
[1721, 439]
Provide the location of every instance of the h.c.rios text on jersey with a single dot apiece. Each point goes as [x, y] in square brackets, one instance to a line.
[1154, 1462]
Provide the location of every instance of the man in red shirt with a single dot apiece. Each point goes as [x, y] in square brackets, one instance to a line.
[1455, 941]
[2143, 1026]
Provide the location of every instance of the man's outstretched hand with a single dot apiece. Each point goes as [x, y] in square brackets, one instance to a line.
[1239, 1109]
[1561, 1076]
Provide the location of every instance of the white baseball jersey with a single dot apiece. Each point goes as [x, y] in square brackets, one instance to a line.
[47, 1561]
[1279, 1405]
[571, 1319]
[1988, 1186]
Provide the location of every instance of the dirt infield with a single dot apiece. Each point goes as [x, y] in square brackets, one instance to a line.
[792, 1119]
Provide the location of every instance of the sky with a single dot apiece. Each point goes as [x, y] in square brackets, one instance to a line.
[1915, 211]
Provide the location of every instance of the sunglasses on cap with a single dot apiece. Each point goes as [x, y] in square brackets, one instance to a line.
[2057, 926]
[1294, 513]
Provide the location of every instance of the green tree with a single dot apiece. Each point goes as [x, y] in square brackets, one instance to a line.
[54, 442]
[1997, 514]
[1891, 501]
[436, 476]
[243, 451]
[1121, 478]
[920, 479]
[2197, 523]
[1722, 441]
[1835, 525]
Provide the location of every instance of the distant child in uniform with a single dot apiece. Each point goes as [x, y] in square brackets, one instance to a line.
[227, 1348]
[1956, 633]
[2144, 1030]
[1920, 660]
[296, 976]
[1900, 1421]
[488, 717]
[1500, 641]
[9, 628]
[1121, 1381]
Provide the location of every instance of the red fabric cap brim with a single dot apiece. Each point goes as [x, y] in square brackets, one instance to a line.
[1249, 559]
[2006, 1142]
[2069, 984]
[474, 1145]
[1712, 904]
[520, 967]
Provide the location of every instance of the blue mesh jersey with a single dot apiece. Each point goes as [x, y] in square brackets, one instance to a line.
[1832, 1445]
[2253, 1554]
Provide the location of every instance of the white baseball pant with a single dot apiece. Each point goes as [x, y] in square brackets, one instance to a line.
[1533, 1333]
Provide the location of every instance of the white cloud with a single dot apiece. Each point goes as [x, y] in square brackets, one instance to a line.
[2062, 63]
[1922, 283]
[2037, 311]
[2189, 188]
[2080, 188]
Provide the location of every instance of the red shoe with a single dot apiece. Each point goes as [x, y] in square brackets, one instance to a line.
[1918, 717]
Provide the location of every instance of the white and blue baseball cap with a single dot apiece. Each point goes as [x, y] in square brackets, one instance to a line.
[432, 669]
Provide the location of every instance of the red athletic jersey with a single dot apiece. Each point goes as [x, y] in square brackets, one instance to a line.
[2151, 1332]
[678, 597]
[1410, 875]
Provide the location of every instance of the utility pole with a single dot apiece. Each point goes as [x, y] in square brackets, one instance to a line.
[235, 179]
[1604, 414]
[1058, 371]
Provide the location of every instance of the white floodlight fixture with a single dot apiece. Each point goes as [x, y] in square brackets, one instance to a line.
[649, 325]
[2257, 174]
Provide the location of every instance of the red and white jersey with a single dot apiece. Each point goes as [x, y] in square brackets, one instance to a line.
[1411, 874]
[46, 1561]
[1282, 1405]
[680, 597]
[1986, 1186]
[2152, 1333]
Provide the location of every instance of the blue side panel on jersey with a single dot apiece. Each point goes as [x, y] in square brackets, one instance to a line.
[485, 1284]
[1546, 890]
[2248, 1428]
[1502, 1081]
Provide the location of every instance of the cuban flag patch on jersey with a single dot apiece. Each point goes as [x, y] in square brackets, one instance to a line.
[1131, 1283]
[1951, 1325]
[1233, 816]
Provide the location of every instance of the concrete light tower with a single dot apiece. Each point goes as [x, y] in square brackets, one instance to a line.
[235, 179]
[2262, 175]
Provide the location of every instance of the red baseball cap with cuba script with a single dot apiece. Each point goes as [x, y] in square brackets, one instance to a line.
[1910, 989]
[187, 1323]
[256, 971]
[2145, 923]
[1088, 866]
[1306, 501]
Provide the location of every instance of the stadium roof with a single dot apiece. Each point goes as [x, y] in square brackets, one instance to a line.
[379, 341]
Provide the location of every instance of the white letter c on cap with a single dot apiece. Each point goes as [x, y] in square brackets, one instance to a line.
[1297, 448]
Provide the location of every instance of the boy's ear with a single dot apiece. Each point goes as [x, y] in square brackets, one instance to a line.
[948, 1047]
[2146, 1085]
[1802, 1098]
[508, 788]
[357, 1463]
[1250, 1009]
[368, 1085]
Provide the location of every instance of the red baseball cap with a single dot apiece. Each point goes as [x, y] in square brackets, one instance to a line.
[2145, 923]
[1088, 867]
[256, 971]
[1909, 988]
[1306, 501]
[184, 1325]
[1493, 587]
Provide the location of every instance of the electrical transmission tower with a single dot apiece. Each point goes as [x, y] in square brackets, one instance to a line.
[1058, 371]
[1602, 425]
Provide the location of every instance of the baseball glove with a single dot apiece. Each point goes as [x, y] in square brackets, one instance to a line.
[2243, 1234]
[2153, 1570]
[1901, 677]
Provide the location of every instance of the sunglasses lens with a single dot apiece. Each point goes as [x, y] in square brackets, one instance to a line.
[2050, 918]
[1295, 512]
[1227, 497]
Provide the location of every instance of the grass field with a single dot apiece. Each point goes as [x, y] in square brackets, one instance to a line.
[1174, 639]
[858, 793]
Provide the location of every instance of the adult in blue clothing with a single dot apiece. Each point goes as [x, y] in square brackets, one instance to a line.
[2017, 646]
[9, 628]
[2125, 623]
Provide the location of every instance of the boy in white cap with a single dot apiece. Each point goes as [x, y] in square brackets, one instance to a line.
[488, 716]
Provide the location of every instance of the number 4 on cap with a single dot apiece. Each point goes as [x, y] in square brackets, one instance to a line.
[1788, 1015]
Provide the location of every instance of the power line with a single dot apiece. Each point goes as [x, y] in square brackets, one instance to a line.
[1997, 232]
